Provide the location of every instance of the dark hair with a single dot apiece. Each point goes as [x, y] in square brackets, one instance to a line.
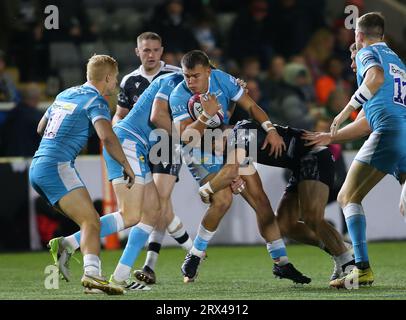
[195, 57]
[372, 24]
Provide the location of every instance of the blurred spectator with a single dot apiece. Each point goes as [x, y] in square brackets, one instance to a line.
[29, 49]
[250, 33]
[291, 105]
[274, 77]
[250, 69]
[332, 80]
[293, 23]
[344, 38]
[255, 93]
[206, 34]
[317, 51]
[18, 136]
[8, 91]
[171, 24]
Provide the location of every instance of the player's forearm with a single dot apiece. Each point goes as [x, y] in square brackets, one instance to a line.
[224, 177]
[42, 125]
[192, 133]
[162, 121]
[355, 130]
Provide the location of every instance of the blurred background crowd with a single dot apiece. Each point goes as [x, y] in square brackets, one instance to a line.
[294, 54]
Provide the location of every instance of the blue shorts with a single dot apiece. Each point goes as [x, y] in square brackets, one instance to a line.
[137, 155]
[53, 179]
[202, 164]
[385, 151]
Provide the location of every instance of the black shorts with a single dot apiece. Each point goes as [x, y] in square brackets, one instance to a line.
[316, 165]
[306, 163]
[168, 167]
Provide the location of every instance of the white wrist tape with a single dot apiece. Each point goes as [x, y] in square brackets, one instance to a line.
[205, 190]
[403, 197]
[267, 126]
[361, 96]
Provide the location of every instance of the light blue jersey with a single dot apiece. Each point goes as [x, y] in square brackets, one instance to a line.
[386, 110]
[70, 120]
[226, 89]
[135, 131]
[385, 148]
[223, 85]
[138, 122]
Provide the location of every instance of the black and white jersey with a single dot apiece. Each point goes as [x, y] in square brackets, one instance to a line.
[134, 84]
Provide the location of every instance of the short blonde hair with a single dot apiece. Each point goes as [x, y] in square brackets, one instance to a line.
[99, 66]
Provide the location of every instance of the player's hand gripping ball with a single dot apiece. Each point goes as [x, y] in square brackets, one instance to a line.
[195, 109]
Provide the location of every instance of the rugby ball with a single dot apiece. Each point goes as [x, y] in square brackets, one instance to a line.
[195, 110]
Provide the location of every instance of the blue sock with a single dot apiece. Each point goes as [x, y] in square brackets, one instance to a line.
[109, 224]
[200, 243]
[356, 224]
[136, 240]
[277, 251]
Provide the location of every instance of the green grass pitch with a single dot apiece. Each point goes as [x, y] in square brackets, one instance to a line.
[234, 272]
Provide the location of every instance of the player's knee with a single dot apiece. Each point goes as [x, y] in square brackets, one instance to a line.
[131, 220]
[92, 222]
[223, 203]
[344, 198]
[231, 170]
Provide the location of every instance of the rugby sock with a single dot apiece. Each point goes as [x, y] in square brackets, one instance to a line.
[136, 240]
[344, 259]
[356, 224]
[154, 246]
[201, 241]
[277, 251]
[177, 231]
[109, 224]
[91, 264]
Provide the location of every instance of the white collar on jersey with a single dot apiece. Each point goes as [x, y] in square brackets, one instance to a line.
[381, 43]
[151, 77]
[88, 84]
[208, 86]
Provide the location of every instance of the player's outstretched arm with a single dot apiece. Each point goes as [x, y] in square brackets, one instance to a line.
[374, 79]
[355, 130]
[113, 147]
[273, 138]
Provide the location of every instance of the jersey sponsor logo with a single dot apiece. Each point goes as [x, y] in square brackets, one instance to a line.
[66, 106]
[137, 84]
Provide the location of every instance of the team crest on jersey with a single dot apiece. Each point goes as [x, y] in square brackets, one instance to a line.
[135, 98]
[142, 158]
